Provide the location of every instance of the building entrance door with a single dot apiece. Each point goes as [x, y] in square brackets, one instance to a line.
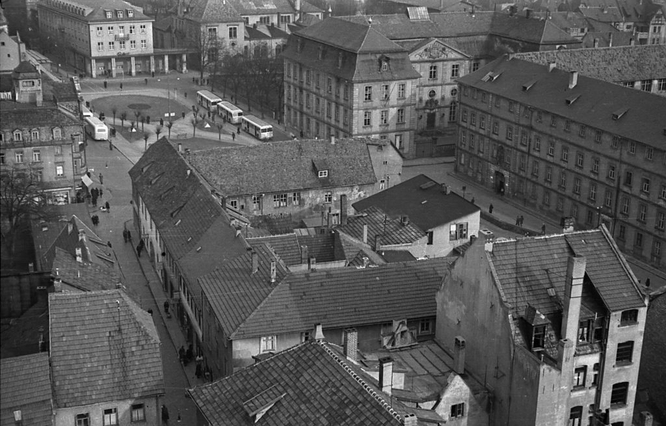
[500, 182]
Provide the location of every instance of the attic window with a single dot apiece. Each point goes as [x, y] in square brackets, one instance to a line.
[491, 76]
[176, 211]
[619, 113]
[108, 14]
[322, 173]
[527, 86]
[130, 13]
[257, 406]
[156, 178]
[571, 99]
[427, 185]
[120, 14]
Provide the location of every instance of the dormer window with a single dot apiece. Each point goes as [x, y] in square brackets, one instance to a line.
[383, 63]
[120, 14]
[108, 14]
[323, 173]
[130, 13]
[538, 336]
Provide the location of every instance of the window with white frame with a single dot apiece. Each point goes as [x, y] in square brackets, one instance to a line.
[268, 343]
[60, 170]
[323, 173]
[367, 118]
[132, 29]
[110, 30]
[233, 32]
[36, 155]
[279, 200]
[138, 413]
[432, 73]
[455, 70]
[458, 410]
[400, 116]
[34, 135]
[132, 44]
[328, 197]
[143, 44]
[401, 90]
[385, 91]
[426, 326]
[110, 417]
[142, 28]
[18, 156]
[112, 45]
[83, 419]
[383, 117]
[100, 31]
[367, 94]
[296, 198]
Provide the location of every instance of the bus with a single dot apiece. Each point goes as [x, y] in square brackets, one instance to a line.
[85, 112]
[230, 112]
[207, 99]
[257, 128]
[96, 129]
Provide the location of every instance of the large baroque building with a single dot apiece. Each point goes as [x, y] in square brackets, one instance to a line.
[560, 143]
[111, 39]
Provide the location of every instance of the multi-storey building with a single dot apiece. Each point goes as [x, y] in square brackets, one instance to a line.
[39, 138]
[111, 39]
[561, 144]
[345, 79]
[554, 326]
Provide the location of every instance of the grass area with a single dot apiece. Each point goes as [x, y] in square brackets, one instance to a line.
[156, 107]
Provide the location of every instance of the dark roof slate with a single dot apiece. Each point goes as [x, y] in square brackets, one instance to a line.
[318, 388]
[104, 348]
[422, 200]
[25, 384]
[347, 297]
[594, 107]
[213, 11]
[284, 166]
[612, 64]
[527, 267]
[14, 115]
[390, 229]
[86, 276]
[95, 10]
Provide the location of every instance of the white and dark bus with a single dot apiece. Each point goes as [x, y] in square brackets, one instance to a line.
[208, 99]
[96, 129]
[257, 128]
[230, 112]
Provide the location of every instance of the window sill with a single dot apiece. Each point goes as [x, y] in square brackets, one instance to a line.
[578, 388]
[620, 364]
[628, 323]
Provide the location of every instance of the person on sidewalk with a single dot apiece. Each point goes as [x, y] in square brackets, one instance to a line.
[129, 236]
[518, 220]
[165, 416]
[490, 208]
[101, 179]
[125, 235]
[543, 229]
[139, 248]
[108, 207]
[522, 219]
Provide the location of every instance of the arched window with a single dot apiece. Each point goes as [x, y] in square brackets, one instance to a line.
[18, 136]
[34, 134]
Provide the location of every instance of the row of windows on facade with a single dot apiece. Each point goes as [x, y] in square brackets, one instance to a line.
[111, 30]
[314, 79]
[647, 85]
[433, 71]
[110, 416]
[34, 134]
[523, 136]
[121, 45]
[505, 155]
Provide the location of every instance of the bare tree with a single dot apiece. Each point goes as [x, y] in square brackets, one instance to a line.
[169, 125]
[123, 117]
[114, 110]
[158, 131]
[145, 142]
[207, 46]
[220, 126]
[21, 199]
[194, 122]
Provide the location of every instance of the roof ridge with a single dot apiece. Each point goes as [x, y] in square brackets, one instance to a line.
[613, 245]
[360, 381]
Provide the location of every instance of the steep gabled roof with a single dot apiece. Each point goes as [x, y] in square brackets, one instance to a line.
[93, 249]
[422, 200]
[596, 104]
[25, 384]
[104, 348]
[347, 297]
[307, 382]
[350, 36]
[86, 276]
[190, 221]
[391, 229]
[527, 267]
[213, 11]
[287, 247]
[94, 10]
[284, 166]
[261, 7]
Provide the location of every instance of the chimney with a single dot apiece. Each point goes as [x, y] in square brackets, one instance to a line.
[646, 419]
[188, 172]
[273, 271]
[332, 140]
[378, 242]
[410, 420]
[596, 42]
[365, 234]
[610, 39]
[304, 255]
[447, 189]
[528, 13]
[551, 66]
[79, 255]
[312, 264]
[489, 239]
[386, 374]
[573, 79]
[319, 333]
[343, 209]
[57, 284]
[565, 352]
[255, 261]
[180, 147]
[459, 355]
[404, 220]
[573, 289]
[351, 343]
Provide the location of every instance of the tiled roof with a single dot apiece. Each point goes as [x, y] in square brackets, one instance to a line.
[318, 388]
[213, 11]
[564, 20]
[104, 348]
[25, 384]
[350, 36]
[288, 247]
[608, 14]
[392, 256]
[284, 166]
[527, 267]
[609, 38]
[190, 221]
[24, 116]
[595, 105]
[21, 337]
[529, 30]
[261, 7]
[234, 292]
[86, 276]
[378, 223]
[422, 200]
[612, 64]
[95, 10]
[347, 297]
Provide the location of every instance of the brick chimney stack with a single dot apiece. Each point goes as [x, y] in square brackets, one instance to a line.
[305, 256]
[573, 290]
[319, 332]
[459, 355]
[351, 343]
[573, 79]
[343, 209]
[255, 261]
[386, 374]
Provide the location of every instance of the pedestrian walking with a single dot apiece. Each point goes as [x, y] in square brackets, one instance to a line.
[197, 371]
[100, 193]
[146, 80]
[543, 229]
[101, 179]
[522, 219]
[129, 236]
[238, 130]
[166, 310]
[95, 219]
[108, 207]
[490, 209]
[125, 235]
[233, 136]
[165, 416]
[94, 200]
[121, 86]
[139, 248]
[518, 220]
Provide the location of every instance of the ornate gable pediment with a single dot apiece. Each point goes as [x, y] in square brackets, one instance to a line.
[436, 50]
